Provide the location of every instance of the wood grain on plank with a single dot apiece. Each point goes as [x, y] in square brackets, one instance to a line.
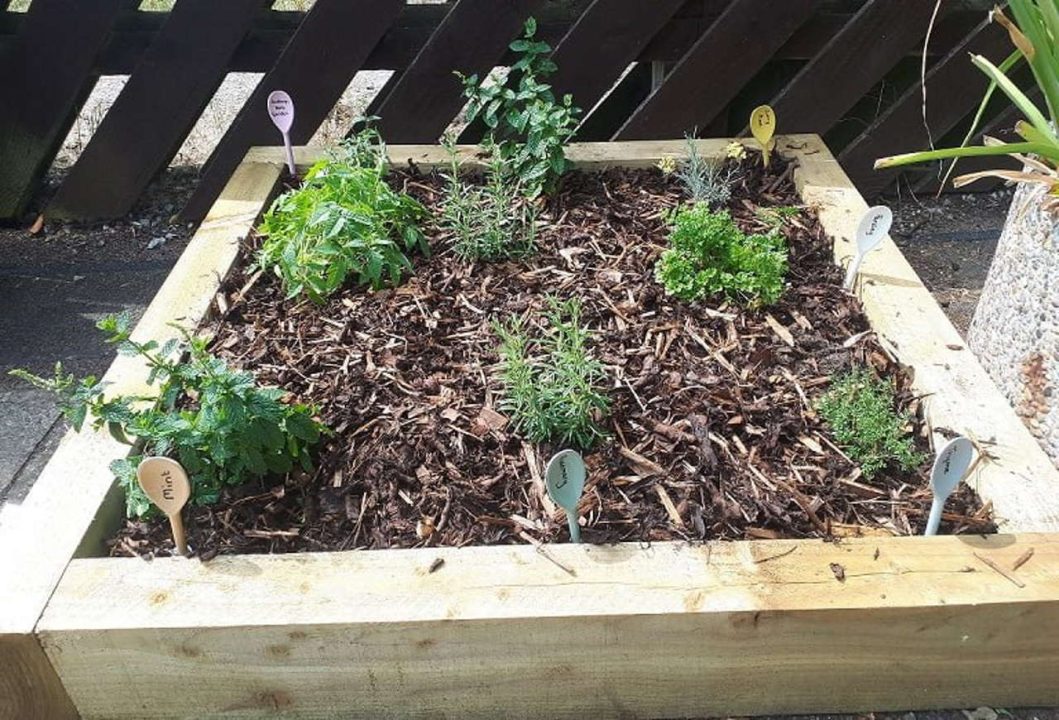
[156, 108]
[666, 631]
[29, 687]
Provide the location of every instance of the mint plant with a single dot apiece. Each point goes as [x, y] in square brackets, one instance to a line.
[217, 422]
[527, 123]
[859, 408]
[345, 220]
[709, 255]
[553, 386]
[490, 222]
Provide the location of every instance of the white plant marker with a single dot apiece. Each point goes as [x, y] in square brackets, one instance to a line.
[949, 468]
[872, 229]
[565, 480]
[164, 481]
[281, 110]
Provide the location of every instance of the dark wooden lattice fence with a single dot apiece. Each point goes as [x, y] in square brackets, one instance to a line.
[642, 69]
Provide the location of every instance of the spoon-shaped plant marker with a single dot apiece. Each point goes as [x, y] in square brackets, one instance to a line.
[872, 229]
[164, 481]
[281, 110]
[949, 468]
[565, 479]
[763, 127]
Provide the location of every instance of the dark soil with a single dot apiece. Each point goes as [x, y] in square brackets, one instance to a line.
[712, 428]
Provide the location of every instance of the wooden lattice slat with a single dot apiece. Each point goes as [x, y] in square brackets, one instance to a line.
[46, 75]
[471, 39]
[156, 109]
[954, 88]
[706, 79]
[317, 66]
[848, 67]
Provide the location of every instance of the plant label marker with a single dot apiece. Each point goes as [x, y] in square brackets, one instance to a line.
[164, 481]
[281, 110]
[949, 468]
[872, 229]
[565, 480]
[763, 127]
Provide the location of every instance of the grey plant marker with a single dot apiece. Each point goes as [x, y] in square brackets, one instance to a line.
[872, 229]
[565, 479]
[949, 468]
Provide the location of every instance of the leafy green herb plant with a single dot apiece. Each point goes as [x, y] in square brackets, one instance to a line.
[709, 255]
[490, 222]
[552, 384]
[859, 408]
[527, 122]
[345, 220]
[705, 181]
[217, 422]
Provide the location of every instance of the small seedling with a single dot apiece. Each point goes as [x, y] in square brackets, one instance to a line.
[565, 480]
[872, 229]
[281, 110]
[860, 410]
[165, 483]
[763, 127]
[949, 469]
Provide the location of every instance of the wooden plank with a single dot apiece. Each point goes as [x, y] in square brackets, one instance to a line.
[954, 88]
[59, 512]
[46, 73]
[316, 67]
[471, 39]
[156, 109]
[29, 687]
[958, 395]
[614, 109]
[706, 79]
[734, 628]
[868, 47]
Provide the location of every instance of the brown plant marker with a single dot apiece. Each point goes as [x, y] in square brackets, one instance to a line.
[164, 481]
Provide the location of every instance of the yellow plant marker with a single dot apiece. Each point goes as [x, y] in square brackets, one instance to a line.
[763, 127]
[164, 481]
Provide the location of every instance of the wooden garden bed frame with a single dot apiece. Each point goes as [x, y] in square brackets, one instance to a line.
[725, 628]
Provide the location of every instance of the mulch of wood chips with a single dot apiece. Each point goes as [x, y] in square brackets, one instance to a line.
[712, 433]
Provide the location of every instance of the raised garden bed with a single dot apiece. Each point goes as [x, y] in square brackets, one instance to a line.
[637, 629]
